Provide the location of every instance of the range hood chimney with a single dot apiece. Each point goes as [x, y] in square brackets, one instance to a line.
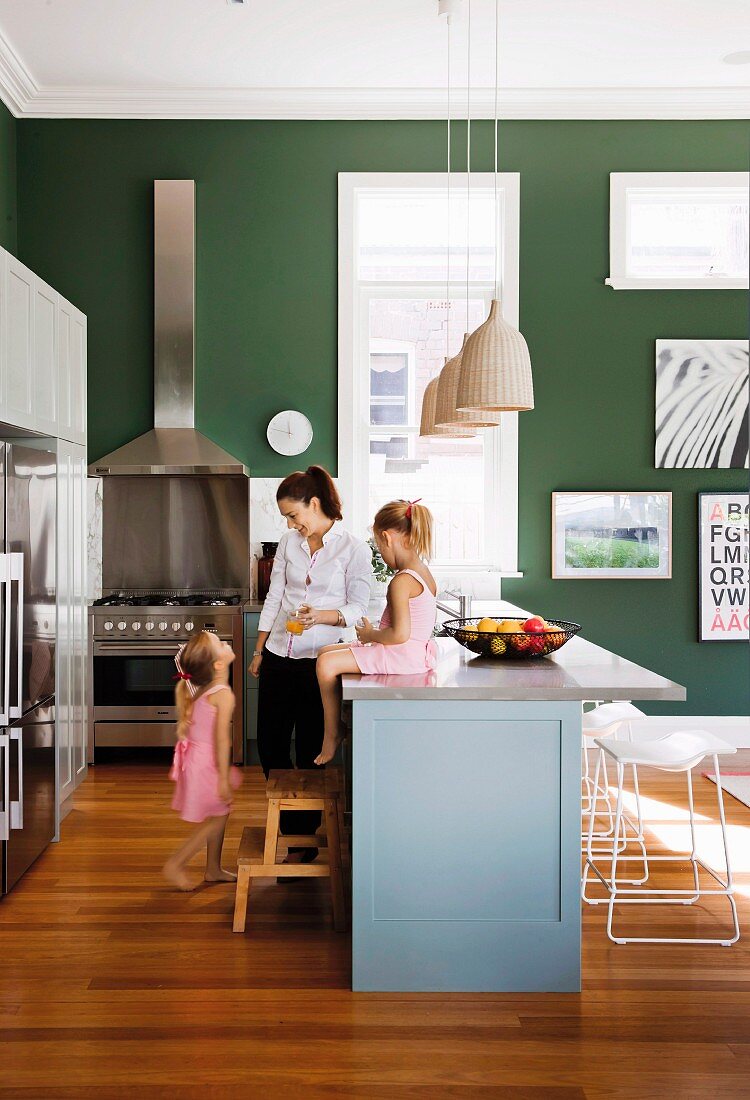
[173, 446]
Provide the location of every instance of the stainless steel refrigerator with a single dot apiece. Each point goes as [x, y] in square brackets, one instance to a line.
[28, 491]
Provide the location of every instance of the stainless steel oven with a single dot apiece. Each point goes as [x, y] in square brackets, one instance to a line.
[133, 670]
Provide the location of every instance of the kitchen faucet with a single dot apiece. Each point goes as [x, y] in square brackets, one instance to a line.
[464, 604]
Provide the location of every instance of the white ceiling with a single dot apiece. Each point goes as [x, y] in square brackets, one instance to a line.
[371, 58]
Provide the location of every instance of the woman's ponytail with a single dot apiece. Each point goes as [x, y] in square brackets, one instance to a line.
[315, 481]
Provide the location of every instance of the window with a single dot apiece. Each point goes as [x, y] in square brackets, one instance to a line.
[678, 230]
[396, 326]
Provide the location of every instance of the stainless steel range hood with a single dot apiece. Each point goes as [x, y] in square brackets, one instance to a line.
[173, 446]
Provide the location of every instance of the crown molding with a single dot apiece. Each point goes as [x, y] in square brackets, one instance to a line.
[17, 86]
[25, 98]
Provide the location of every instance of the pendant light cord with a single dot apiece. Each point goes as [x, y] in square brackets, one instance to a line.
[448, 262]
[497, 216]
[468, 158]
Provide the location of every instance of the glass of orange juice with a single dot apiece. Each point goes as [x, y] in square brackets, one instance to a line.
[293, 624]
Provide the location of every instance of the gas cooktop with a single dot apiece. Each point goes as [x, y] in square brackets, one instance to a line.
[168, 599]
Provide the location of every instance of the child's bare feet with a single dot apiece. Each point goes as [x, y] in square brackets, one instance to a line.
[175, 874]
[330, 743]
[219, 876]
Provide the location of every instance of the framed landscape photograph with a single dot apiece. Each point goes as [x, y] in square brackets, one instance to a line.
[612, 536]
[724, 541]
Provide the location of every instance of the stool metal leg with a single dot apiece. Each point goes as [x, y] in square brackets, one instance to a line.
[650, 896]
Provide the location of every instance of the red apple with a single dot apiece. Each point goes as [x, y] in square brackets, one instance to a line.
[537, 644]
[534, 625]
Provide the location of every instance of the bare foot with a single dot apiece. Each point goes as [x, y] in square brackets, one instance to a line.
[222, 876]
[328, 751]
[174, 873]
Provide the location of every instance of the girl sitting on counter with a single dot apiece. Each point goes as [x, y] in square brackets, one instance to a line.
[402, 643]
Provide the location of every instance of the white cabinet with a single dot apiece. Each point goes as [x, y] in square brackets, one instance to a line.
[17, 344]
[72, 621]
[71, 373]
[42, 355]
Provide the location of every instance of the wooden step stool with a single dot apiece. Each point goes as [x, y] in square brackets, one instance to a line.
[295, 789]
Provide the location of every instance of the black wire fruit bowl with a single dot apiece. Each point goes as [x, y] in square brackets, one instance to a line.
[502, 645]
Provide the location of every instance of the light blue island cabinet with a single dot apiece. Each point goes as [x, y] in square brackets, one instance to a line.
[466, 818]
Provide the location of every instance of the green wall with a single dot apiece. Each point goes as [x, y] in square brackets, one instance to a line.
[8, 190]
[266, 325]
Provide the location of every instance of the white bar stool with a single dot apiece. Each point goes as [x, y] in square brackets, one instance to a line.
[676, 752]
[611, 721]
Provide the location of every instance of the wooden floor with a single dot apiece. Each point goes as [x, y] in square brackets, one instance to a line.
[113, 985]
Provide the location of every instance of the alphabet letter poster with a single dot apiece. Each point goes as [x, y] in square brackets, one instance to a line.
[724, 573]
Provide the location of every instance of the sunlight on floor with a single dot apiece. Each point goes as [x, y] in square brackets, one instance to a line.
[670, 825]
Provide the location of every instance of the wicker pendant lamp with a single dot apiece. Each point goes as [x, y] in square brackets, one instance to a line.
[428, 428]
[495, 368]
[496, 365]
[447, 413]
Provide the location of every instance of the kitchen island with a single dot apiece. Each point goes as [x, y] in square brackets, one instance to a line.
[466, 799]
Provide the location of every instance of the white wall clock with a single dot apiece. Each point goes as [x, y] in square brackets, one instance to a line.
[289, 432]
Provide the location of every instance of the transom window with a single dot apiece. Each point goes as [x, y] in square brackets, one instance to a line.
[678, 230]
[396, 326]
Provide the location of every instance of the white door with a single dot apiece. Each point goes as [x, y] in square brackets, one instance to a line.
[17, 344]
[44, 382]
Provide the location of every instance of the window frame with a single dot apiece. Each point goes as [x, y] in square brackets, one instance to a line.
[620, 184]
[501, 447]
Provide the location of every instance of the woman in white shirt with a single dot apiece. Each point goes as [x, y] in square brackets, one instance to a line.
[324, 572]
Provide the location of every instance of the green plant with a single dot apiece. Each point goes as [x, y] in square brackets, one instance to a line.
[381, 571]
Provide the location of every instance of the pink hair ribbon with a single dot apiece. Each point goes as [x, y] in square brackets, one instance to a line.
[410, 505]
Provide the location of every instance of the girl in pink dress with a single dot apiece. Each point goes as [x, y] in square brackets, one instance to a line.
[200, 768]
[402, 643]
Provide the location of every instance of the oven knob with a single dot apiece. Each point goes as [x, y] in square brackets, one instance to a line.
[122, 626]
[109, 625]
[176, 626]
[136, 626]
[162, 626]
[149, 625]
[190, 627]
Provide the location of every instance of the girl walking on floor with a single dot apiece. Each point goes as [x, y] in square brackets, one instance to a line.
[201, 766]
[402, 643]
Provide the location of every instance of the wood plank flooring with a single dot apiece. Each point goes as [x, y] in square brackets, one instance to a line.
[113, 985]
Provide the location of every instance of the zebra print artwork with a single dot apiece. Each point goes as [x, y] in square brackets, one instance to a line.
[702, 404]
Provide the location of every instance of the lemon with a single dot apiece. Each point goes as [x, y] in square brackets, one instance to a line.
[498, 646]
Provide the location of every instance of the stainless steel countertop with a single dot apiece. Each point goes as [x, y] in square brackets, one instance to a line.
[580, 670]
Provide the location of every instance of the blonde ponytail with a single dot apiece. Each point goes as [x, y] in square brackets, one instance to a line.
[413, 520]
[197, 670]
[420, 533]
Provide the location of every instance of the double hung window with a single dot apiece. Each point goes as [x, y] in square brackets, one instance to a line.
[401, 311]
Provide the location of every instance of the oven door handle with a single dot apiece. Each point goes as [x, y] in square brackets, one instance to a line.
[112, 649]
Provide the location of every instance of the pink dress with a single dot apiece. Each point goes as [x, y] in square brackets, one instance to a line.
[416, 655]
[194, 770]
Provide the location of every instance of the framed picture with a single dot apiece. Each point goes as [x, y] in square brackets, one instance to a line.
[702, 404]
[723, 543]
[612, 536]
